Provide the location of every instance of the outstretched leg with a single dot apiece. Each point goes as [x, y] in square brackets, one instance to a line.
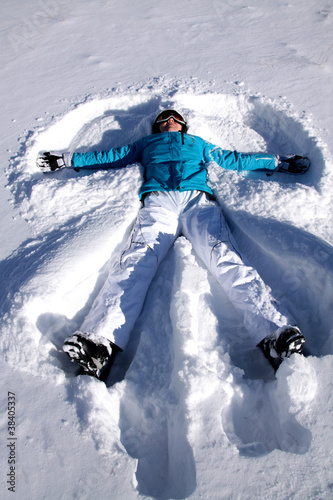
[120, 300]
[107, 327]
[204, 225]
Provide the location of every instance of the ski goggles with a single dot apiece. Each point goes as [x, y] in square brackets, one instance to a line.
[164, 116]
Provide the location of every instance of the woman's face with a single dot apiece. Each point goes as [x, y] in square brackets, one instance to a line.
[170, 126]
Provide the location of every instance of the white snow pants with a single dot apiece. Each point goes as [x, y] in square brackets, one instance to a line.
[164, 217]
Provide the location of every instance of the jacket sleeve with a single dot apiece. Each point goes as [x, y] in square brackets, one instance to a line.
[232, 160]
[115, 157]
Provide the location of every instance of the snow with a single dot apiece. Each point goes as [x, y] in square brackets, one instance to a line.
[190, 409]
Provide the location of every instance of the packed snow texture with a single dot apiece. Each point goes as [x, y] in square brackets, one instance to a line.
[190, 409]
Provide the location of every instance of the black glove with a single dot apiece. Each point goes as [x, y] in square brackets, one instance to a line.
[293, 164]
[50, 161]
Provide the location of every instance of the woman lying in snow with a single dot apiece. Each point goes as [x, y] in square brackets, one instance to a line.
[176, 200]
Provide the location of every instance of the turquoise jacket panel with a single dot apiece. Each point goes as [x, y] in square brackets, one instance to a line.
[174, 161]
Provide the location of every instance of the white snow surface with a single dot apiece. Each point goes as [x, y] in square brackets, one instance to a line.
[191, 409]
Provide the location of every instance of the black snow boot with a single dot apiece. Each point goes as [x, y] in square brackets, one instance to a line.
[94, 357]
[282, 344]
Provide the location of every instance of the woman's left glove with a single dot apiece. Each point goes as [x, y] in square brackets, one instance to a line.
[293, 164]
[51, 161]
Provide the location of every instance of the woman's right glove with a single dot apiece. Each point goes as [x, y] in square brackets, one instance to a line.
[51, 161]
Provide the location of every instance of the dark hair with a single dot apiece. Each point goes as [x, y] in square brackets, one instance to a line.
[156, 126]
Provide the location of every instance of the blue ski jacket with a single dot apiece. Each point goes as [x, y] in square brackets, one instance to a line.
[174, 161]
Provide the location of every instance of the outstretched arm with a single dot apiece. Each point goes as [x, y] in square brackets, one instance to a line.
[232, 160]
[116, 157]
